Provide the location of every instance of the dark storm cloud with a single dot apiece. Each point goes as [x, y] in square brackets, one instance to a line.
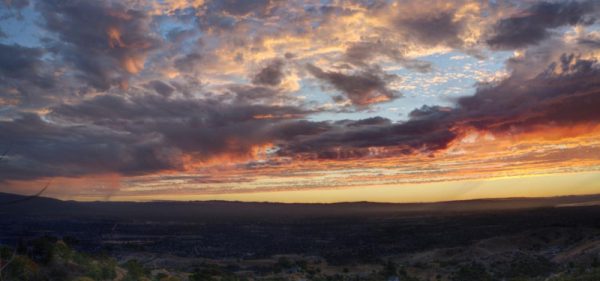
[271, 75]
[363, 88]
[130, 136]
[535, 24]
[105, 42]
[566, 94]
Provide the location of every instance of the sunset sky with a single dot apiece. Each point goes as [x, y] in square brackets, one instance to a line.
[299, 101]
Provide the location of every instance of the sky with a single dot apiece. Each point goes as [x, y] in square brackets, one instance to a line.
[299, 101]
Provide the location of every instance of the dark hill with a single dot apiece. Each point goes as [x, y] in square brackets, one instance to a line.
[19, 205]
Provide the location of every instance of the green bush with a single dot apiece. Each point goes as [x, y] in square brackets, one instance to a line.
[472, 272]
[135, 271]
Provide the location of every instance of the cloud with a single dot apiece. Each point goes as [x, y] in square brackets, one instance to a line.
[366, 87]
[19, 62]
[188, 62]
[271, 75]
[138, 135]
[419, 27]
[369, 121]
[202, 126]
[139, 87]
[357, 139]
[433, 29]
[104, 49]
[25, 78]
[364, 52]
[590, 42]
[535, 24]
[290, 130]
[161, 87]
[566, 94]
[252, 94]
[240, 7]
[15, 4]
[153, 133]
[43, 149]
[217, 16]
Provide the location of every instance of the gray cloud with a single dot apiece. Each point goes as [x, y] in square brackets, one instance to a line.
[535, 24]
[25, 78]
[253, 94]
[366, 87]
[188, 62]
[225, 15]
[105, 48]
[19, 62]
[161, 87]
[435, 29]
[43, 149]
[271, 75]
[138, 135]
[354, 140]
[590, 42]
[241, 7]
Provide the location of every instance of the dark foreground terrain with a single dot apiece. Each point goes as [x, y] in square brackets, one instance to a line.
[509, 239]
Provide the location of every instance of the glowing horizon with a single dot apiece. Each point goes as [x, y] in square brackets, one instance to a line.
[532, 186]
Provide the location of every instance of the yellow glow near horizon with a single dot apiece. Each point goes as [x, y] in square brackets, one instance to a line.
[525, 186]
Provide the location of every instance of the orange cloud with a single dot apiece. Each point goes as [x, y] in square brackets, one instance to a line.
[114, 37]
[133, 64]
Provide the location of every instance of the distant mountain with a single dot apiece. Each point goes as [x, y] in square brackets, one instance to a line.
[18, 205]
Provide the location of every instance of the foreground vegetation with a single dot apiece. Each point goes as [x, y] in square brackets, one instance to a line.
[49, 258]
